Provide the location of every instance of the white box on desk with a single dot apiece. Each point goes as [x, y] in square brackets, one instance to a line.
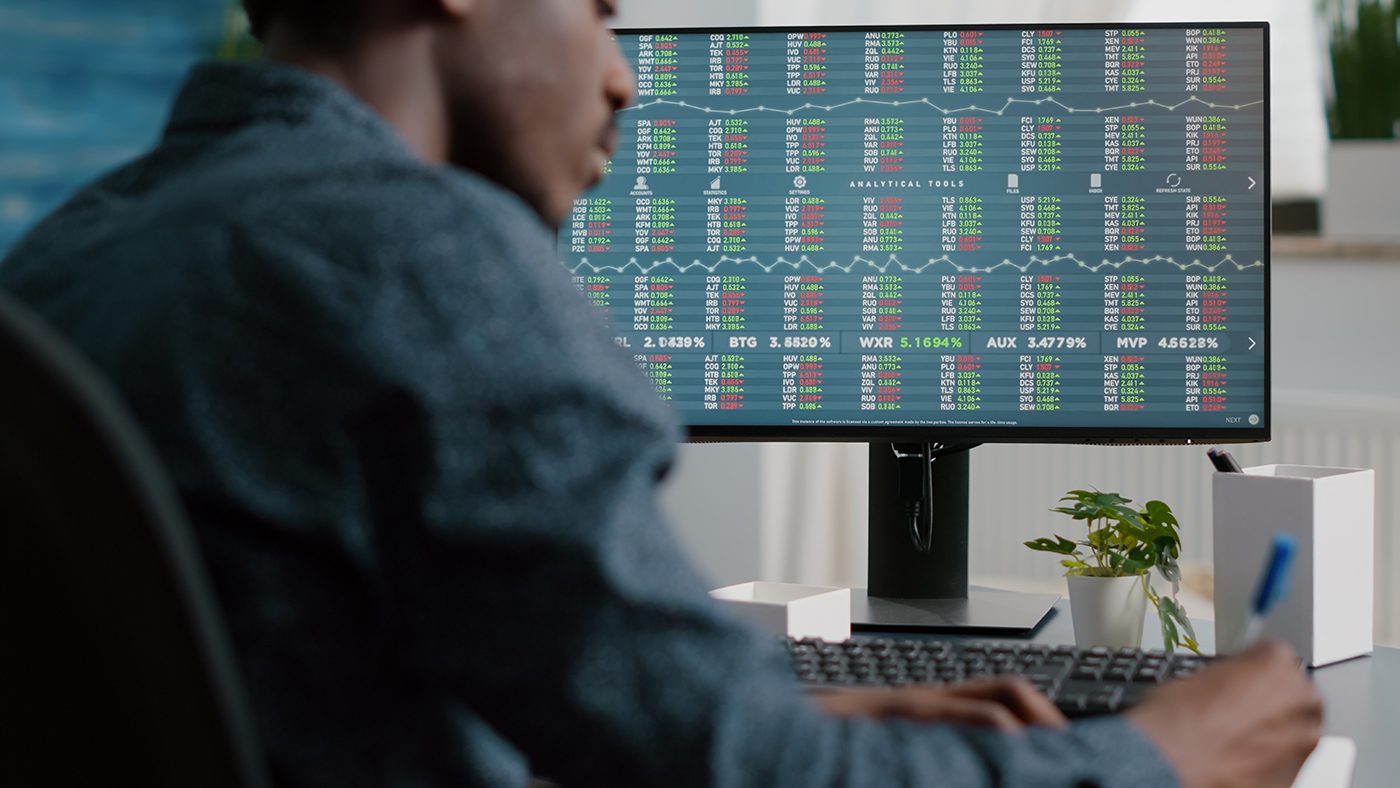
[1330, 512]
[793, 610]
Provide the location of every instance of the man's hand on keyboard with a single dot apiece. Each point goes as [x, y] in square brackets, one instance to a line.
[1249, 721]
[1007, 704]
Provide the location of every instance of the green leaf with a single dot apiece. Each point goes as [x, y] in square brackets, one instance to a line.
[1158, 512]
[1134, 531]
[1162, 532]
[1131, 567]
[1098, 539]
[1171, 571]
[1178, 613]
[1127, 514]
[1168, 629]
[1096, 505]
[1124, 544]
[1109, 499]
[1060, 545]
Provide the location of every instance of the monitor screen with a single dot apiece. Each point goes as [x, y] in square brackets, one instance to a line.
[915, 233]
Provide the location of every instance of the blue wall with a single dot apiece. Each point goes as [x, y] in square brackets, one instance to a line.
[84, 86]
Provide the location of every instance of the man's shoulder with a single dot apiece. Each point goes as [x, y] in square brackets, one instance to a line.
[380, 206]
[442, 210]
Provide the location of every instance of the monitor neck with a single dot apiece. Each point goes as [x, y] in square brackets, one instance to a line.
[918, 520]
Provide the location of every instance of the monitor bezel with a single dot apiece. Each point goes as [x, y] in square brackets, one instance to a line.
[700, 433]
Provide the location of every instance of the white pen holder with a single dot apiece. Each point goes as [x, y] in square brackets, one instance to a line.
[793, 610]
[1330, 512]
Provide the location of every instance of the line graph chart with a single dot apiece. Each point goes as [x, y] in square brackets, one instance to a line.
[1010, 102]
[894, 264]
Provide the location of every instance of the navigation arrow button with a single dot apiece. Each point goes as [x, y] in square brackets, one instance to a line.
[1252, 182]
[1252, 343]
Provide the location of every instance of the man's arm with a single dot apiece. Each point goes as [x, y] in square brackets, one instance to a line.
[545, 593]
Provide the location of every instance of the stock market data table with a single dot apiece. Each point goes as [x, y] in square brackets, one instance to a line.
[972, 227]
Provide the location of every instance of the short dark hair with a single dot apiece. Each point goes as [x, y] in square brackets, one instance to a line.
[325, 22]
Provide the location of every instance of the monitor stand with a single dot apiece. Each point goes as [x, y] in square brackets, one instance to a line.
[927, 590]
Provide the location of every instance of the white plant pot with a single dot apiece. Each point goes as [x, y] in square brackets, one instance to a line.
[1107, 611]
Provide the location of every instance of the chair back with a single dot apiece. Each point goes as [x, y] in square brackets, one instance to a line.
[116, 669]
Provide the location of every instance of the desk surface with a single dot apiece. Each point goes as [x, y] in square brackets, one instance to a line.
[1362, 695]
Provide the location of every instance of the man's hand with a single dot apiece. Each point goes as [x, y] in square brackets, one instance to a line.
[1007, 704]
[1247, 721]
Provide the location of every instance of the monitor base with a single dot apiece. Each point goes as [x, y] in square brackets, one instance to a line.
[984, 610]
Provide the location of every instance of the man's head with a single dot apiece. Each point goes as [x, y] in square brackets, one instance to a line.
[524, 90]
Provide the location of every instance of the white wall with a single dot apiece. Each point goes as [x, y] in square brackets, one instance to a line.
[678, 13]
[1335, 328]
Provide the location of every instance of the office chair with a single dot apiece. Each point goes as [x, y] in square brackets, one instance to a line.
[116, 671]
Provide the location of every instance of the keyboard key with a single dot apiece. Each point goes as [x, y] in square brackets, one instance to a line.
[1103, 701]
[1087, 672]
[1049, 673]
[1117, 674]
[1148, 675]
[1072, 703]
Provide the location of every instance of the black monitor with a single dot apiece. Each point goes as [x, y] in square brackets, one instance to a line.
[928, 238]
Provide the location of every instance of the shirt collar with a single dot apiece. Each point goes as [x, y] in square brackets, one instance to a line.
[220, 96]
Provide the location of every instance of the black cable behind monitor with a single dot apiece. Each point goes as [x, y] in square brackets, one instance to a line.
[916, 489]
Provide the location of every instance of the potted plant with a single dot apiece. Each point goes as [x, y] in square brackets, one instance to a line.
[1363, 161]
[1110, 570]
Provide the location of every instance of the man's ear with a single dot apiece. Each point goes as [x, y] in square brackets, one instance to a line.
[456, 8]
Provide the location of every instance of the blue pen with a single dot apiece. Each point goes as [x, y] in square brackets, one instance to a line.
[1273, 587]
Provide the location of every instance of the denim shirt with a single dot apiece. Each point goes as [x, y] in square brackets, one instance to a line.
[424, 478]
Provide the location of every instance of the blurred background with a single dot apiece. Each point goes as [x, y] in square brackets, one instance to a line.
[85, 84]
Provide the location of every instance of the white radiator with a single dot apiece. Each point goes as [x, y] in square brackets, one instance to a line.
[1013, 486]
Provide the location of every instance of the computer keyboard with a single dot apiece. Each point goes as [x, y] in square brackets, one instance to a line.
[1081, 682]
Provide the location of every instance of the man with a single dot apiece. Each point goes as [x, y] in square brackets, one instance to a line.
[423, 476]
